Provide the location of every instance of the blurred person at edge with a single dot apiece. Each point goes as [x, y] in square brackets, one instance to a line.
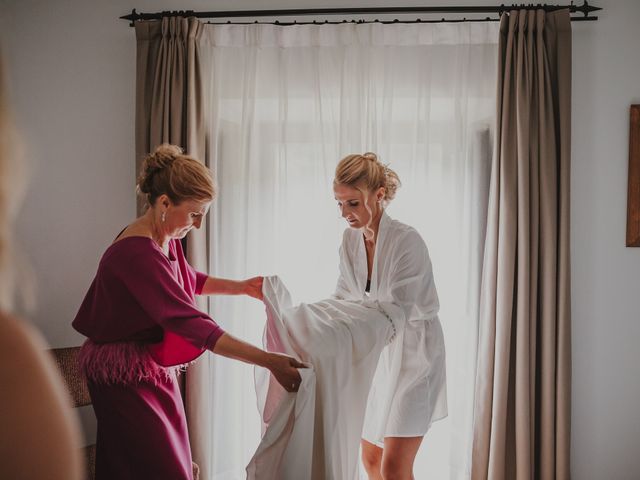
[39, 433]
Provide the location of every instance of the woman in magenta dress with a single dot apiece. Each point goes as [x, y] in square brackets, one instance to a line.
[142, 323]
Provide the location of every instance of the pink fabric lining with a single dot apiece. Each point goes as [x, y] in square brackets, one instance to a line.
[122, 363]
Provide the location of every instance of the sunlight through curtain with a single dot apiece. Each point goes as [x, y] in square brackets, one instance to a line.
[285, 105]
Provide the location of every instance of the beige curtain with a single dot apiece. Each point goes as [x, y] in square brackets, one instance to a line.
[170, 109]
[523, 383]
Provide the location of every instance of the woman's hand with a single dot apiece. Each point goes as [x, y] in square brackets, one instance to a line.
[253, 287]
[285, 369]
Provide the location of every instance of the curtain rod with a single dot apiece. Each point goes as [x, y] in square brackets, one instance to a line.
[585, 9]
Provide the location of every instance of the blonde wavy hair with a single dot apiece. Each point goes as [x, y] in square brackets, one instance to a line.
[13, 180]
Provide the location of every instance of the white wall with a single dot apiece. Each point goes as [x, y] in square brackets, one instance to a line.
[605, 274]
[72, 71]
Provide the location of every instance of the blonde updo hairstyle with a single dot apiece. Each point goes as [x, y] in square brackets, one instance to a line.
[170, 172]
[366, 173]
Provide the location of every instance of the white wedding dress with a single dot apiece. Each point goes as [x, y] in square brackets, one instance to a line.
[314, 434]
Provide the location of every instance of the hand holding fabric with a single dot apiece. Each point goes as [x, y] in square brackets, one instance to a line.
[285, 369]
[253, 287]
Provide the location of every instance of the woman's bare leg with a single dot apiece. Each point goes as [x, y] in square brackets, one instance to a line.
[398, 456]
[372, 460]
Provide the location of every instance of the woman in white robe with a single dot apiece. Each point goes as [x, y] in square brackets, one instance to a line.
[385, 260]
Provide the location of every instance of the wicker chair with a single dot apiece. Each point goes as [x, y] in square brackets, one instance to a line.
[67, 361]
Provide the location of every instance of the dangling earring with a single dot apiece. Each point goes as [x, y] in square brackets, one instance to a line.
[164, 216]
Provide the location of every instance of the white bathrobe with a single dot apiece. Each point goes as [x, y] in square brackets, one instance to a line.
[315, 433]
[409, 388]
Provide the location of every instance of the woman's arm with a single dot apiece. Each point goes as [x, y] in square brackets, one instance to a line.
[223, 286]
[412, 284]
[283, 367]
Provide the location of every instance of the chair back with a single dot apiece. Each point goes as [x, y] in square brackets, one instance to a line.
[67, 361]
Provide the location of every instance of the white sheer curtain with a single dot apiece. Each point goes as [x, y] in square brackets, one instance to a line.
[286, 103]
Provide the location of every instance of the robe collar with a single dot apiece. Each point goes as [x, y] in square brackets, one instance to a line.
[385, 221]
[361, 265]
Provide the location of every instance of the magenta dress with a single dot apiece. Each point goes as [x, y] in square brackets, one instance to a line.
[142, 324]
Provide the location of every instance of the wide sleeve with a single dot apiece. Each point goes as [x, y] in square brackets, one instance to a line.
[149, 278]
[412, 285]
[201, 278]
